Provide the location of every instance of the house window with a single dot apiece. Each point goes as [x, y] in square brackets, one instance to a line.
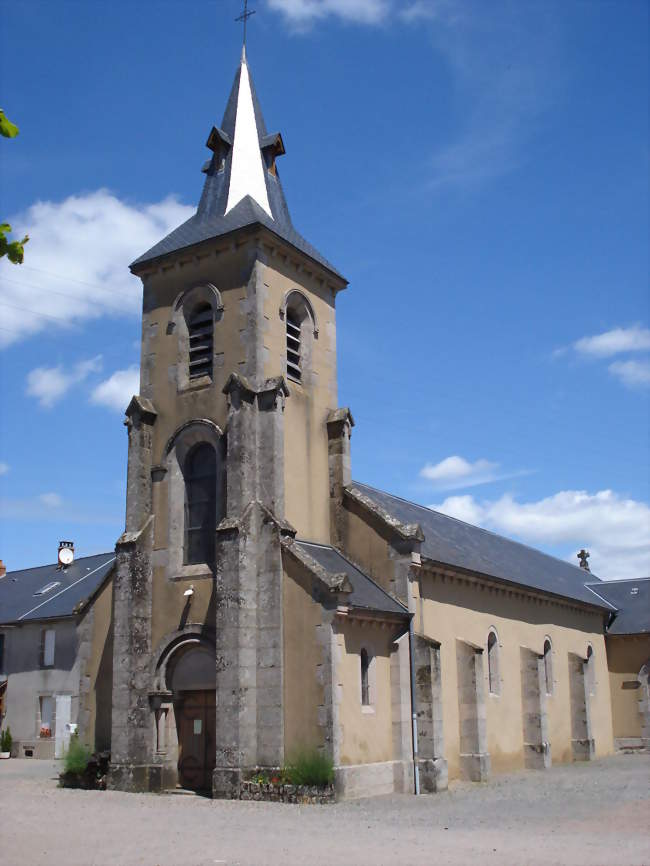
[201, 334]
[293, 346]
[548, 666]
[493, 663]
[365, 683]
[46, 709]
[48, 637]
[200, 504]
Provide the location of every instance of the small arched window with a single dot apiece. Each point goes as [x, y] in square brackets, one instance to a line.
[591, 671]
[365, 681]
[200, 504]
[548, 666]
[493, 663]
[200, 325]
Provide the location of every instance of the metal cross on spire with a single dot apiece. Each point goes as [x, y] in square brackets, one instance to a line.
[244, 18]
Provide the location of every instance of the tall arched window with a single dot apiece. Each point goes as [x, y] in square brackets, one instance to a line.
[200, 327]
[200, 504]
[548, 666]
[365, 682]
[591, 672]
[493, 663]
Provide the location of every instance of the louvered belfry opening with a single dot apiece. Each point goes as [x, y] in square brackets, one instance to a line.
[201, 341]
[293, 346]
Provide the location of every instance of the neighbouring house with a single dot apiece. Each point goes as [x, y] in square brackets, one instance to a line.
[628, 657]
[53, 672]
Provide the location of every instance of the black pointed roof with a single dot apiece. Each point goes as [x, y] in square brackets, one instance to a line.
[213, 218]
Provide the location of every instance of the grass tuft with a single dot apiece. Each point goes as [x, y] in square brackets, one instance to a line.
[309, 767]
[77, 756]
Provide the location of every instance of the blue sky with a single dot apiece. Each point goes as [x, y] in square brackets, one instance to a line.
[478, 171]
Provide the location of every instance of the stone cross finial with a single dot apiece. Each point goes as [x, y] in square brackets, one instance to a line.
[583, 556]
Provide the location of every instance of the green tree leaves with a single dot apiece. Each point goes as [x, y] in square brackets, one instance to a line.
[14, 250]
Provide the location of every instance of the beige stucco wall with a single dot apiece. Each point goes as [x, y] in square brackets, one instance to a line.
[97, 683]
[626, 655]
[366, 732]
[451, 609]
[304, 657]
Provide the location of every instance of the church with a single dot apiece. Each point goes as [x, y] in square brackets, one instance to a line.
[262, 601]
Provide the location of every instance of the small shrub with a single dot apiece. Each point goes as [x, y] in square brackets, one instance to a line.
[309, 767]
[6, 740]
[77, 757]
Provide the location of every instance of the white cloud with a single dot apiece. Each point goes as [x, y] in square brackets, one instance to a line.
[76, 266]
[50, 500]
[634, 374]
[615, 530]
[116, 391]
[614, 342]
[50, 384]
[454, 472]
[4, 468]
[303, 13]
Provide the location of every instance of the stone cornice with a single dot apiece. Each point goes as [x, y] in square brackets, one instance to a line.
[142, 409]
[238, 383]
[516, 590]
[339, 417]
[407, 531]
[236, 524]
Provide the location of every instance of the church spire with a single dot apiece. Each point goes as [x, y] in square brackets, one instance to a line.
[242, 185]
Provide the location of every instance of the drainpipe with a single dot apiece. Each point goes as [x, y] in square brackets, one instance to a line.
[414, 715]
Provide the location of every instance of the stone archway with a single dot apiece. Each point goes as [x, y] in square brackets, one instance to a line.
[191, 678]
[183, 698]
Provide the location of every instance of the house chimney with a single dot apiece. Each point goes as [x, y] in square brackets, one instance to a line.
[3, 569]
[583, 556]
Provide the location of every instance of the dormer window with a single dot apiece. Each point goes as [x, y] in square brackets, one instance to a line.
[293, 346]
[200, 328]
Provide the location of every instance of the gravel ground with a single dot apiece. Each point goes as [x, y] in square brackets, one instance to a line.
[591, 814]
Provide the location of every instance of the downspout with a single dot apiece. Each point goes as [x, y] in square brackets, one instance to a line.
[414, 715]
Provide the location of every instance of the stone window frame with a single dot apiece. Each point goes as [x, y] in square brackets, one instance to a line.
[184, 305]
[493, 656]
[549, 683]
[178, 447]
[302, 308]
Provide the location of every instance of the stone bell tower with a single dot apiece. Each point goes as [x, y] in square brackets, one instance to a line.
[228, 454]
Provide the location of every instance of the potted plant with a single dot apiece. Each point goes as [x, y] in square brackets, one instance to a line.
[5, 743]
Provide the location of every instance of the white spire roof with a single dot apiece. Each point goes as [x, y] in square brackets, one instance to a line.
[247, 172]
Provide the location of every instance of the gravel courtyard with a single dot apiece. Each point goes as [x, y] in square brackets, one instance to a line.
[581, 814]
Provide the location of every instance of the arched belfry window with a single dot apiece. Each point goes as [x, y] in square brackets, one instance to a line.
[300, 332]
[494, 678]
[200, 504]
[548, 666]
[200, 326]
[365, 678]
[294, 368]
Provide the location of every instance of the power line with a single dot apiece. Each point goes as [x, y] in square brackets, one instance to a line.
[35, 312]
[67, 294]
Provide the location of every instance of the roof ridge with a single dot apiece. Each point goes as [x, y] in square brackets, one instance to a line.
[55, 564]
[479, 528]
[618, 580]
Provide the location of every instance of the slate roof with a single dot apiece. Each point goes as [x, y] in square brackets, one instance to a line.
[211, 219]
[366, 594]
[453, 542]
[632, 600]
[18, 602]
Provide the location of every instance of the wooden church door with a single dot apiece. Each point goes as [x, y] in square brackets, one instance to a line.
[196, 719]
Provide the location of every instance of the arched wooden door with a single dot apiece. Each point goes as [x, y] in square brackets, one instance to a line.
[193, 684]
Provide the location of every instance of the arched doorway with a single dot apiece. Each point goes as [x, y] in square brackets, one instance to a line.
[192, 681]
